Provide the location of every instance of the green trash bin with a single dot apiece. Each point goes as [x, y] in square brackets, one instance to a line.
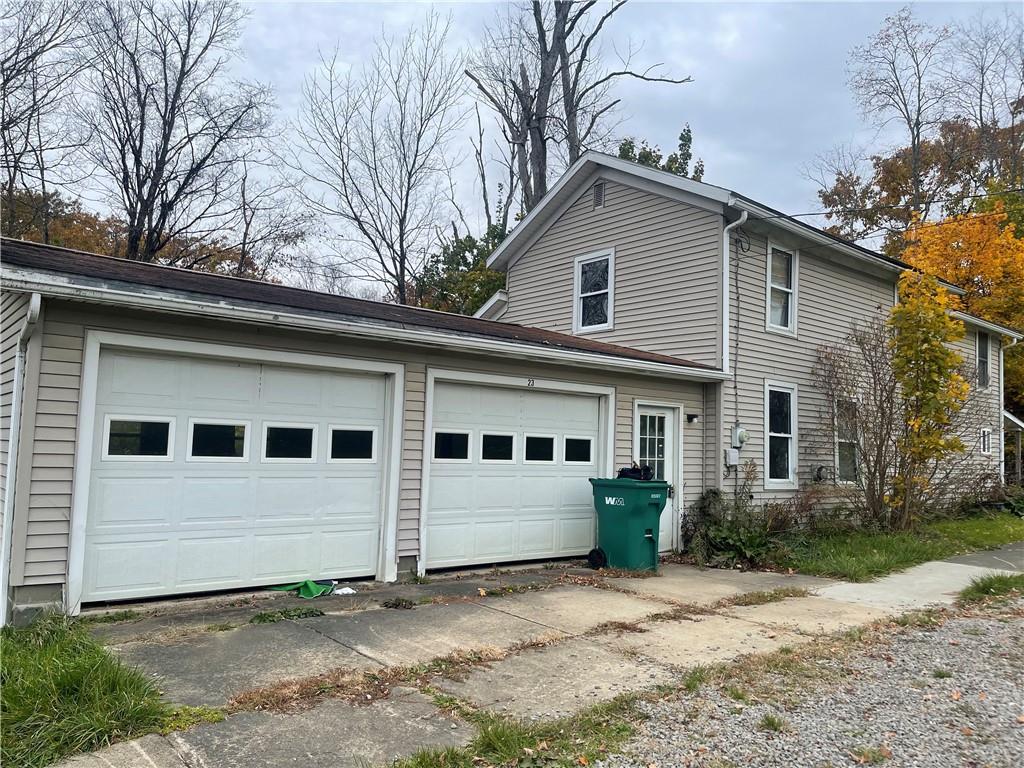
[628, 519]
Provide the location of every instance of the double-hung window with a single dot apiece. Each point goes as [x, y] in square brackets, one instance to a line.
[594, 287]
[983, 359]
[781, 290]
[846, 441]
[780, 435]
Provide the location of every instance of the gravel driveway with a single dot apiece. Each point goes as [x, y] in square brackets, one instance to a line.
[951, 696]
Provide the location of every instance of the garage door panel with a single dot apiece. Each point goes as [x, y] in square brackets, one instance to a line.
[537, 537]
[212, 562]
[215, 500]
[480, 512]
[157, 528]
[349, 551]
[120, 502]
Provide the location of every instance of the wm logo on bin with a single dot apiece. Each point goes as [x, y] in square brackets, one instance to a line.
[614, 501]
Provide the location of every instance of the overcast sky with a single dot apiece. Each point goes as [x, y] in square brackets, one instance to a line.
[769, 90]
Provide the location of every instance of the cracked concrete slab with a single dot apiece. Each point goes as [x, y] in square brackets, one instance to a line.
[335, 734]
[209, 669]
[929, 584]
[704, 587]
[809, 615]
[700, 640]
[412, 636]
[575, 610]
[149, 751]
[555, 681]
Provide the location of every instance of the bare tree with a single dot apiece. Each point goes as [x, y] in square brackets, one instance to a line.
[540, 70]
[170, 129]
[372, 147]
[40, 60]
[897, 76]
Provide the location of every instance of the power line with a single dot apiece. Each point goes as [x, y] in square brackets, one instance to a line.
[890, 207]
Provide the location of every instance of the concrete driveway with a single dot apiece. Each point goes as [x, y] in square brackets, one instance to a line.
[529, 644]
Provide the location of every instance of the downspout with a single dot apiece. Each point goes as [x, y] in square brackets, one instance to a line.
[28, 329]
[726, 267]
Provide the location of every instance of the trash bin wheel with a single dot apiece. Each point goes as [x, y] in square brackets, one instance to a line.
[597, 559]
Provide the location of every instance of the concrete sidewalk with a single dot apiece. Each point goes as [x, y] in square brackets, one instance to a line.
[562, 641]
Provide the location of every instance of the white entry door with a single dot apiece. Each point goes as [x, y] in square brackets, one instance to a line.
[656, 443]
[213, 474]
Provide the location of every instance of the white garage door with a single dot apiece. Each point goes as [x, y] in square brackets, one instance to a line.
[508, 474]
[215, 474]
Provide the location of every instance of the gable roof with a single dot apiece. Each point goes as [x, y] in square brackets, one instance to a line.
[593, 163]
[83, 275]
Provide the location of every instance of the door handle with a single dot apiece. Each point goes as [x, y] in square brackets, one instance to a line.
[671, 491]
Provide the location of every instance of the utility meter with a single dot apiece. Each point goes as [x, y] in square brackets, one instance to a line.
[739, 436]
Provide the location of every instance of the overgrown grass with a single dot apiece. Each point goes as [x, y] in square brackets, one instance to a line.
[272, 617]
[63, 693]
[572, 741]
[998, 586]
[862, 555]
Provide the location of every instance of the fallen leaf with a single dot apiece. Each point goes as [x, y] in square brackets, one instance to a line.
[955, 695]
[1020, 719]
[982, 696]
[967, 731]
[583, 760]
[482, 591]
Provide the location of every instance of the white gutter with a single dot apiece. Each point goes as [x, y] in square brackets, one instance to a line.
[52, 284]
[726, 269]
[1001, 330]
[28, 329]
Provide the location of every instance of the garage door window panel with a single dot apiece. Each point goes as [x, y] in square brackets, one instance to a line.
[539, 449]
[578, 450]
[451, 446]
[286, 442]
[497, 448]
[352, 445]
[138, 438]
[215, 441]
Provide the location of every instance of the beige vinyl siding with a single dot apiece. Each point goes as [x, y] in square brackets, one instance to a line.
[830, 297]
[45, 541]
[667, 266]
[13, 310]
[988, 407]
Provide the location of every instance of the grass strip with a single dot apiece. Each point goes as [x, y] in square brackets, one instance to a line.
[996, 587]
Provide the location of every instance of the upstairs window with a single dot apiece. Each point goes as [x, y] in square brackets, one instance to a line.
[781, 298]
[593, 288]
[983, 359]
[780, 435]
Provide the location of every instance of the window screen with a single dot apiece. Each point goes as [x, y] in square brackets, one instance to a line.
[352, 444]
[218, 441]
[138, 438]
[540, 448]
[497, 447]
[577, 450]
[289, 443]
[451, 446]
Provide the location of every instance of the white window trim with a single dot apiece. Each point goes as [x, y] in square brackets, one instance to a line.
[986, 434]
[794, 415]
[469, 446]
[219, 459]
[589, 440]
[988, 358]
[835, 431]
[494, 433]
[554, 449]
[353, 428]
[264, 459]
[791, 329]
[577, 297]
[106, 456]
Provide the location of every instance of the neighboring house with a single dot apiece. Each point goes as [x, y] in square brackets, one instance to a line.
[169, 432]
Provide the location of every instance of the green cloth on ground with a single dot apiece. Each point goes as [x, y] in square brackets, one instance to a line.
[307, 589]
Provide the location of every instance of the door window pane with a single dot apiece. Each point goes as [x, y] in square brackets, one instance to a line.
[578, 450]
[453, 446]
[497, 447]
[540, 448]
[218, 441]
[352, 444]
[289, 443]
[138, 438]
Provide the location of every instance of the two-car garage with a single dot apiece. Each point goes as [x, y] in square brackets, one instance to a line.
[212, 473]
